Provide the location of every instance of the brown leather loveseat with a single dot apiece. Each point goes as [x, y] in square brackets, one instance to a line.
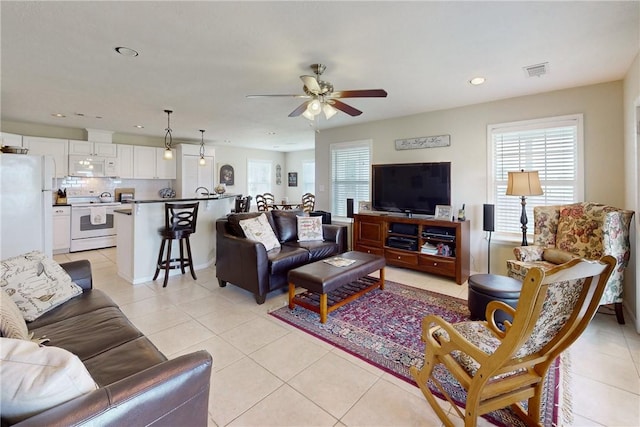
[247, 264]
[137, 384]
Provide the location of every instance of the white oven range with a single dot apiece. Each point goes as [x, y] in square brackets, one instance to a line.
[93, 225]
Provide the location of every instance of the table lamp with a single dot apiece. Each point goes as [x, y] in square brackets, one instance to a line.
[523, 184]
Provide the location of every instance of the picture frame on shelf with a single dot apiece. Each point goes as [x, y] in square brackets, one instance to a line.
[443, 212]
[364, 206]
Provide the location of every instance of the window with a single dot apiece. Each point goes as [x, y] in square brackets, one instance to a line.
[258, 177]
[309, 176]
[350, 174]
[553, 147]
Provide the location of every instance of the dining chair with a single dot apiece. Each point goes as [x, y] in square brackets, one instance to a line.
[261, 203]
[269, 199]
[503, 367]
[308, 202]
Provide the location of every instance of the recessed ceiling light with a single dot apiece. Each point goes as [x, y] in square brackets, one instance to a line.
[271, 133]
[58, 115]
[125, 51]
[477, 81]
[79, 114]
[138, 126]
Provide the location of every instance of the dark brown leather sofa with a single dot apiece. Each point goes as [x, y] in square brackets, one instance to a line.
[137, 384]
[246, 263]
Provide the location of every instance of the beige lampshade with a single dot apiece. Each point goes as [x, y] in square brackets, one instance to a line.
[523, 183]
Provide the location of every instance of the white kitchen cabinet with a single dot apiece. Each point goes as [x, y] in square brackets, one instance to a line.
[85, 148]
[54, 147]
[194, 175]
[61, 229]
[11, 139]
[149, 163]
[124, 165]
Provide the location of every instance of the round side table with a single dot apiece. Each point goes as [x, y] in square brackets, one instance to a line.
[488, 287]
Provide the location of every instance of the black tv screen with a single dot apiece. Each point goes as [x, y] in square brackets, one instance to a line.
[411, 187]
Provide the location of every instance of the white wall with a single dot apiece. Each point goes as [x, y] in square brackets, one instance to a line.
[294, 162]
[604, 150]
[632, 192]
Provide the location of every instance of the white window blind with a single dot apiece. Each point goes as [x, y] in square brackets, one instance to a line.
[551, 146]
[258, 177]
[309, 176]
[350, 174]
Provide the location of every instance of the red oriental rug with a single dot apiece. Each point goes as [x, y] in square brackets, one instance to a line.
[383, 328]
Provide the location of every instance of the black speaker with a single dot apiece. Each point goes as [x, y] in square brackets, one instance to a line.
[349, 208]
[488, 221]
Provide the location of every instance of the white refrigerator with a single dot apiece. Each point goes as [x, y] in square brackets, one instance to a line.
[26, 204]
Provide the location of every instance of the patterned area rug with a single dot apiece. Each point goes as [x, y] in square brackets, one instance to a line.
[384, 327]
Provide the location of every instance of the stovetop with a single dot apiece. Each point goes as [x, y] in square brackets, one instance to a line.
[89, 201]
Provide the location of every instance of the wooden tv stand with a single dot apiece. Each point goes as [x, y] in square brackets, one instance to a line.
[400, 239]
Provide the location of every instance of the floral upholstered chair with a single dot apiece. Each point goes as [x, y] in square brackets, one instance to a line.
[504, 366]
[580, 230]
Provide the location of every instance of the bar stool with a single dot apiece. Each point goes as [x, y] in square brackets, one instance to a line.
[179, 223]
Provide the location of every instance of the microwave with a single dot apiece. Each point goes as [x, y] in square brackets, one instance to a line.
[92, 166]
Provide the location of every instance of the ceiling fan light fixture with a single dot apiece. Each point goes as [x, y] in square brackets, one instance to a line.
[314, 107]
[308, 115]
[329, 111]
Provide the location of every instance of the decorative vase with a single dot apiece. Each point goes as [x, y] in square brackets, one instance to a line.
[220, 188]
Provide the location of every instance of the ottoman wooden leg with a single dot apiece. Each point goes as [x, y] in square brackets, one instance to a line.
[323, 308]
[292, 293]
[382, 278]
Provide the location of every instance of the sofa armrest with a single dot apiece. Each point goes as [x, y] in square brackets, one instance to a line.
[80, 272]
[336, 233]
[528, 253]
[175, 392]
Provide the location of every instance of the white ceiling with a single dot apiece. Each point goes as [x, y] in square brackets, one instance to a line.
[201, 59]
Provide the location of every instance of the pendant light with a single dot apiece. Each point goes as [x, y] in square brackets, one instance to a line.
[202, 161]
[168, 153]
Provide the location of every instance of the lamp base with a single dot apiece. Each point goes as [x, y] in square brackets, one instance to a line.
[523, 221]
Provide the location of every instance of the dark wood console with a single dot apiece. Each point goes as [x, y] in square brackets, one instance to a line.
[429, 245]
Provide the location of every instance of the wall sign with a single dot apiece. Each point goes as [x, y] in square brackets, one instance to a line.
[293, 179]
[423, 142]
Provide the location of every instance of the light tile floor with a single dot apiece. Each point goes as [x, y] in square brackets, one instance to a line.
[267, 373]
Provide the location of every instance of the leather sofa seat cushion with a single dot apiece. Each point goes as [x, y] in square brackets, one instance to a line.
[88, 302]
[90, 334]
[318, 249]
[287, 257]
[286, 225]
[117, 363]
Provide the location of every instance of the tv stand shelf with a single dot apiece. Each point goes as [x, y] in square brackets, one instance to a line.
[400, 239]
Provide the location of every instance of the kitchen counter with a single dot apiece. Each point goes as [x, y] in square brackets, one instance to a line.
[176, 200]
[138, 240]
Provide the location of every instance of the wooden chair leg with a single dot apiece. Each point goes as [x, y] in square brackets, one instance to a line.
[422, 377]
[167, 265]
[619, 313]
[193, 273]
[159, 263]
[180, 244]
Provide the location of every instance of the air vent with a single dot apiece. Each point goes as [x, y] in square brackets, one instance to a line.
[536, 70]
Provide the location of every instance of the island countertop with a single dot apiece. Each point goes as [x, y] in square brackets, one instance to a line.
[177, 200]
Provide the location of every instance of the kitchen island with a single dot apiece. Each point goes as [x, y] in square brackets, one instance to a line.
[138, 241]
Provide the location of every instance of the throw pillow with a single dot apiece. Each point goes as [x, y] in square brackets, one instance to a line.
[12, 324]
[260, 230]
[36, 283]
[36, 378]
[309, 228]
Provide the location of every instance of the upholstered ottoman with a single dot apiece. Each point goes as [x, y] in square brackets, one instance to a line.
[489, 287]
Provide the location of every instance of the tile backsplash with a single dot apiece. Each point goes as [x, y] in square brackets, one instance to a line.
[79, 186]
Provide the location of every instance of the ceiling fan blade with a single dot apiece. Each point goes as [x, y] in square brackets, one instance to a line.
[281, 96]
[299, 110]
[345, 108]
[363, 93]
[311, 83]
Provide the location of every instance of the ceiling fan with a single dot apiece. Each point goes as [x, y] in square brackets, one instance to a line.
[322, 97]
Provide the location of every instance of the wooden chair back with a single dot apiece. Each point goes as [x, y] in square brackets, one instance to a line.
[502, 366]
[308, 202]
[261, 203]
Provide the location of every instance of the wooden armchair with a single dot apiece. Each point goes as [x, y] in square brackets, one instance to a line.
[503, 368]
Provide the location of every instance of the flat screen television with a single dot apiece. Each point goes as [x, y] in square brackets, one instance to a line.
[411, 187]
